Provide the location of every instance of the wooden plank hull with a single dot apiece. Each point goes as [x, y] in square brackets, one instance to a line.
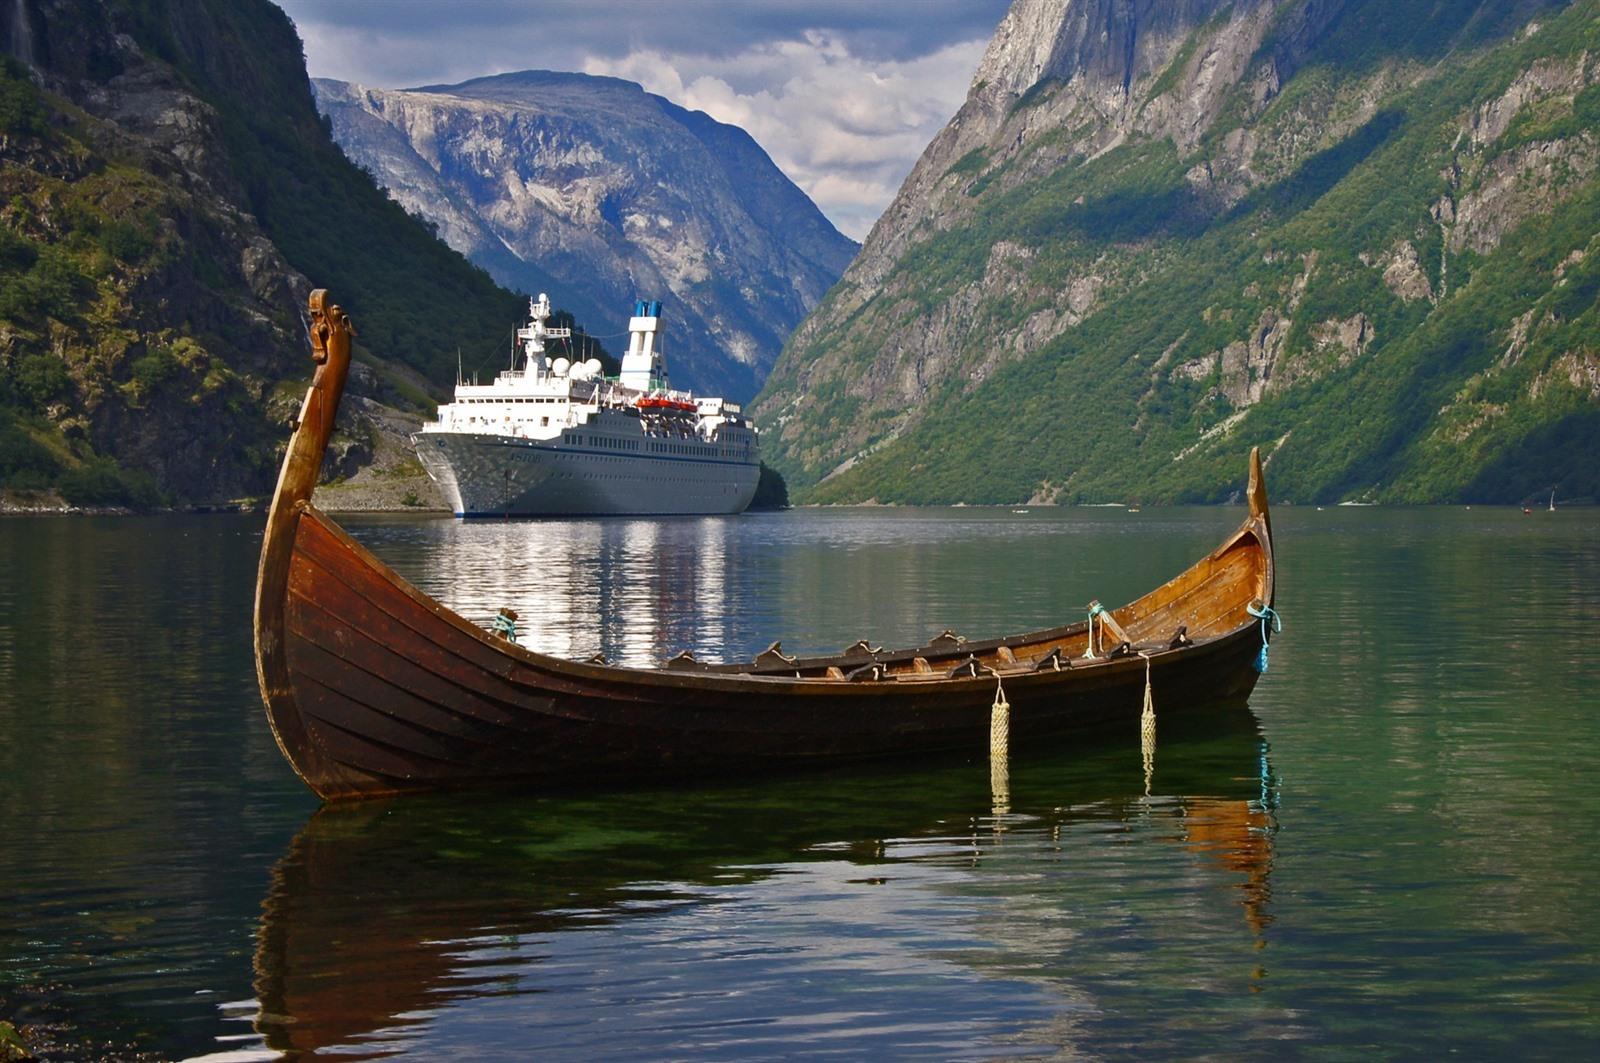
[373, 688]
[396, 693]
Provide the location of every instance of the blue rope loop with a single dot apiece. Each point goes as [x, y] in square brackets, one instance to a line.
[1096, 609]
[1266, 612]
[506, 627]
[1267, 615]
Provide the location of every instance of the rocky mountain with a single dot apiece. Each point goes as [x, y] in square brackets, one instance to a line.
[167, 194]
[601, 193]
[1359, 233]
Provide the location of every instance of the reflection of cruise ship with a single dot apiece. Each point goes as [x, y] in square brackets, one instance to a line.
[638, 591]
[557, 437]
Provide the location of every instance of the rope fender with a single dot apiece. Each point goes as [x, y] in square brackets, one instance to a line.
[999, 722]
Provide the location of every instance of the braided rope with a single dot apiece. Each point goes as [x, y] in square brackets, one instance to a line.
[1147, 728]
[999, 749]
[999, 722]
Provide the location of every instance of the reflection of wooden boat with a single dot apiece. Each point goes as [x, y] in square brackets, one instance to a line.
[382, 914]
[371, 687]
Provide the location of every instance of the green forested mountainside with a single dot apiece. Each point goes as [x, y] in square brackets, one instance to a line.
[168, 194]
[1368, 246]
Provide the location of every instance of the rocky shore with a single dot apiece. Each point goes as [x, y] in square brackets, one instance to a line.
[370, 468]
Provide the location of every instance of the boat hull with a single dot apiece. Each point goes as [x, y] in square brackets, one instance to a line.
[396, 693]
[486, 475]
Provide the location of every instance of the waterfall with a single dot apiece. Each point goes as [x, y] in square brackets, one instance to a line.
[22, 33]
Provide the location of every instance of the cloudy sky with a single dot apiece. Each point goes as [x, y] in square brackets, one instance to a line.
[843, 94]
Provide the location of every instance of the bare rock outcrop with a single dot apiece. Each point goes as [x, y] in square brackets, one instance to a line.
[601, 193]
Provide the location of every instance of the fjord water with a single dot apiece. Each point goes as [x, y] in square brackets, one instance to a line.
[1390, 850]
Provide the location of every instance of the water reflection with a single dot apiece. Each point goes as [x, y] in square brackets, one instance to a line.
[636, 590]
[384, 920]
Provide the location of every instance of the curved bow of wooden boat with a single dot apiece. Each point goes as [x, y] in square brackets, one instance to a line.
[373, 688]
[331, 332]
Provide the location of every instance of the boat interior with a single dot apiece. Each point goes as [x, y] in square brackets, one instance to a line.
[1206, 601]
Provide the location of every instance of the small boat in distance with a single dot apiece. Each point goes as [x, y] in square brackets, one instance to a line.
[373, 688]
[555, 437]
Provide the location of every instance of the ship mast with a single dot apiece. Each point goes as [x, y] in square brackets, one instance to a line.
[537, 364]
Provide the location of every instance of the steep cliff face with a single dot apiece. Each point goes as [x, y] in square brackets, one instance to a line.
[1156, 233]
[168, 188]
[599, 192]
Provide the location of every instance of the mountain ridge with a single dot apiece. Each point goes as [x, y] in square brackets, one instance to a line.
[615, 193]
[1242, 230]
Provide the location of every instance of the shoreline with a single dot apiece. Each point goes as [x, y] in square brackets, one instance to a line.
[46, 506]
[357, 503]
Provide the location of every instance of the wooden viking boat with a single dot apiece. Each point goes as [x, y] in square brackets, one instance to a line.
[373, 688]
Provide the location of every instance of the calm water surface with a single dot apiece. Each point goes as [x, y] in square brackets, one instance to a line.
[1390, 851]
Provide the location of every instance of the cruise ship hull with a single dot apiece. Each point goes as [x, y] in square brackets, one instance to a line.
[489, 475]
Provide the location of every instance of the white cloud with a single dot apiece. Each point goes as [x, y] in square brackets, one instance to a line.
[846, 129]
[840, 111]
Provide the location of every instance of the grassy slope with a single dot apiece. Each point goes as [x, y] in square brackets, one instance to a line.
[413, 298]
[1093, 414]
[123, 301]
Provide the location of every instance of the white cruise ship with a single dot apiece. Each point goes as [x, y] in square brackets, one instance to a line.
[557, 437]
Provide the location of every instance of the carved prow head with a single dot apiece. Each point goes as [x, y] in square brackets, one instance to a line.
[331, 331]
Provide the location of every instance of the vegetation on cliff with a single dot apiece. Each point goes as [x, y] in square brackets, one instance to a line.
[1372, 252]
[771, 491]
[166, 189]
